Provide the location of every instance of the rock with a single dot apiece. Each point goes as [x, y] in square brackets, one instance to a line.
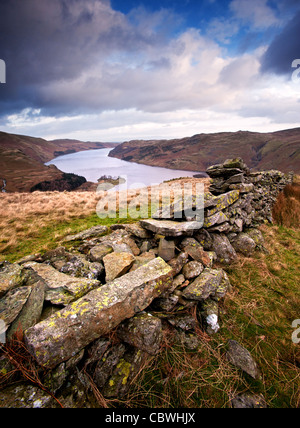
[79, 267]
[183, 321]
[242, 187]
[257, 236]
[223, 249]
[188, 339]
[170, 228]
[219, 203]
[244, 244]
[124, 373]
[195, 251]
[86, 234]
[27, 397]
[12, 303]
[98, 252]
[107, 363]
[31, 311]
[143, 331]
[121, 242]
[235, 163]
[142, 260]
[248, 401]
[138, 231]
[11, 276]
[217, 218]
[117, 264]
[205, 286]
[242, 359]
[220, 171]
[61, 289]
[192, 269]
[178, 262]
[68, 331]
[166, 304]
[166, 249]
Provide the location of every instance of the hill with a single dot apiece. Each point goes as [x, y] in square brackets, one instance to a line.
[22, 159]
[277, 150]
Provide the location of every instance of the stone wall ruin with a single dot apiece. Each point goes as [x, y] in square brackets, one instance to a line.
[154, 273]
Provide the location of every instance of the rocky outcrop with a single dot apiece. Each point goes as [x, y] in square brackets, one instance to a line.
[105, 304]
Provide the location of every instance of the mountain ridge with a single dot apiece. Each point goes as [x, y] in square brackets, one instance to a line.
[273, 150]
[23, 158]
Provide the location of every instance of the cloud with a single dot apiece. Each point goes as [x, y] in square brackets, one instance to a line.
[284, 49]
[78, 67]
[256, 13]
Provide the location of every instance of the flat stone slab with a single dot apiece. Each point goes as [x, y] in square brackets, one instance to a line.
[68, 331]
[86, 234]
[62, 289]
[170, 228]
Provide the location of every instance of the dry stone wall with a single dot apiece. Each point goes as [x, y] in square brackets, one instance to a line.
[137, 281]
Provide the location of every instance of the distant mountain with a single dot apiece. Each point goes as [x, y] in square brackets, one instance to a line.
[275, 150]
[22, 160]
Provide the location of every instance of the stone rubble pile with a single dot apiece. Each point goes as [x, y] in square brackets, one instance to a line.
[137, 281]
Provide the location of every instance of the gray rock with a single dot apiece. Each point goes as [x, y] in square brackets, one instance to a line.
[12, 303]
[243, 244]
[169, 228]
[195, 251]
[31, 312]
[79, 267]
[166, 249]
[143, 331]
[98, 252]
[192, 269]
[223, 249]
[219, 203]
[248, 401]
[86, 234]
[205, 286]
[138, 231]
[61, 289]
[63, 335]
[11, 276]
[124, 373]
[178, 262]
[215, 219]
[242, 359]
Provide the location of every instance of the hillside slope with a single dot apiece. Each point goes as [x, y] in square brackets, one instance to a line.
[277, 150]
[22, 159]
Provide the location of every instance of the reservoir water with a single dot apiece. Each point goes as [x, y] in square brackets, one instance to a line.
[93, 164]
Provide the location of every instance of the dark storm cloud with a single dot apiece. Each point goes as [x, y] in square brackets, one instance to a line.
[283, 50]
[45, 41]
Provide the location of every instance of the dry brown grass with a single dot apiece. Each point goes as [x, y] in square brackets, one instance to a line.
[23, 215]
[286, 211]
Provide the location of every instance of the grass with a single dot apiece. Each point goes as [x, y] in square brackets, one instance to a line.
[258, 312]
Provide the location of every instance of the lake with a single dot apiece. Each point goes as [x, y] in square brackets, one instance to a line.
[93, 164]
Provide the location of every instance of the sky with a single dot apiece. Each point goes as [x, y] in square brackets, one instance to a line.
[117, 70]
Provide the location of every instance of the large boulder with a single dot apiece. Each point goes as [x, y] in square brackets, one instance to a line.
[68, 331]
